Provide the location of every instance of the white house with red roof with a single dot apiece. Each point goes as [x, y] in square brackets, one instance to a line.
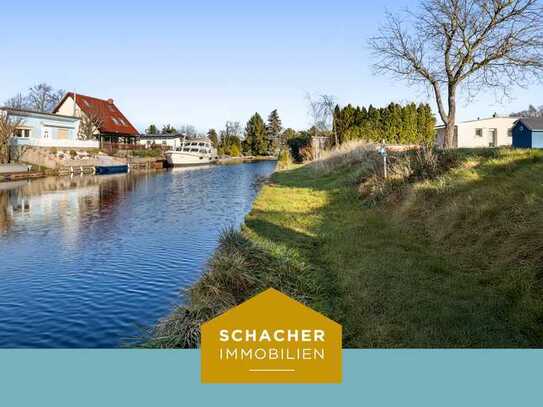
[110, 126]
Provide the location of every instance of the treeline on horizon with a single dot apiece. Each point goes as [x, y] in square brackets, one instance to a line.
[395, 124]
[259, 138]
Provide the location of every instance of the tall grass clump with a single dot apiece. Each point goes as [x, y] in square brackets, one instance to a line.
[238, 270]
[345, 155]
[404, 169]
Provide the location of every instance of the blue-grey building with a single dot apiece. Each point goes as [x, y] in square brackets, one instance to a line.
[37, 129]
[528, 133]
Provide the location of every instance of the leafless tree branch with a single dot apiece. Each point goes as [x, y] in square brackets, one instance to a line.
[477, 43]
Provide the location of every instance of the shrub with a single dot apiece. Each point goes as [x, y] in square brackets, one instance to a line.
[73, 154]
[235, 151]
[283, 159]
[307, 153]
[404, 168]
[297, 144]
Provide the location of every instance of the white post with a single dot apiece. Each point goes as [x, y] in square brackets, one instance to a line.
[383, 151]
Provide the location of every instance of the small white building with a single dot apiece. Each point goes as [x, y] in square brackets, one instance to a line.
[490, 132]
[171, 141]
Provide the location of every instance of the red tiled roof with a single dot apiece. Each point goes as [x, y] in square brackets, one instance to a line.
[113, 121]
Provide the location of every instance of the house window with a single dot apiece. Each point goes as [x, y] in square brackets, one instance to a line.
[122, 121]
[164, 142]
[115, 121]
[63, 133]
[22, 133]
[86, 102]
[45, 132]
[479, 132]
[510, 133]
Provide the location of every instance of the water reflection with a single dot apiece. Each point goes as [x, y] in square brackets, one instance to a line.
[86, 261]
[67, 200]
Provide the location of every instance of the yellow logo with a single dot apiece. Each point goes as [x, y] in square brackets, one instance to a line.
[271, 338]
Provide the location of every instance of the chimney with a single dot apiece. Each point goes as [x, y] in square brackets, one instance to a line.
[110, 101]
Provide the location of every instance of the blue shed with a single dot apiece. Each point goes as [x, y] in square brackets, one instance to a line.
[528, 133]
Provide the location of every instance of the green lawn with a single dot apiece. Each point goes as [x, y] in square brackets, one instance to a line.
[453, 262]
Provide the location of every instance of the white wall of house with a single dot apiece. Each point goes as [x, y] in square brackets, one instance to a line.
[491, 132]
[47, 130]
[67, 108]
[56, 143]
[170, 142]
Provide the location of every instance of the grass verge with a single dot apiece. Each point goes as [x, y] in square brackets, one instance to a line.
[445, 253]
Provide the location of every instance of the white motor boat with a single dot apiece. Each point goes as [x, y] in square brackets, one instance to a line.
[192, 152]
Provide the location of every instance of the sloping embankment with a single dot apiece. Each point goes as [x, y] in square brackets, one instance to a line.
[446, 253]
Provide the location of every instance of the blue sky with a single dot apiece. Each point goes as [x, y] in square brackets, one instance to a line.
[207, 62]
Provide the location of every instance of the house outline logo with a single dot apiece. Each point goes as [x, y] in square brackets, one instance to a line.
[271, 338]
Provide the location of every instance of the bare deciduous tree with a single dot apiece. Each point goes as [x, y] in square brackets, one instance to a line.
[8, 126]
[321, 110]
[231, 129]
[89, 125]
[43, 98]
[532, 111]
[19, 101]
[188, 130]
[478, 43]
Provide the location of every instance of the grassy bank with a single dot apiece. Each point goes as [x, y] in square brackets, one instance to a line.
[445, 253]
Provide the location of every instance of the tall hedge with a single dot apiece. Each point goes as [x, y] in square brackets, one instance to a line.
[397, 124]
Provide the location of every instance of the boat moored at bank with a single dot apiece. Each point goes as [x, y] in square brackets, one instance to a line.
[192, 152]
[111, 169]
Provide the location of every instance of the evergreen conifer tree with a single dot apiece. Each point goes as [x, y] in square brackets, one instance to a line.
[152, 129]
[213, 137]
[273, 130]
[255, 136]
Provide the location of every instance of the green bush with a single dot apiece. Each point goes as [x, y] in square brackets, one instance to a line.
[298, 144]
[283, 159]
[235, 151]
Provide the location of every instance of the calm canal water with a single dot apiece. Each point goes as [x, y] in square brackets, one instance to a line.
[91, 261]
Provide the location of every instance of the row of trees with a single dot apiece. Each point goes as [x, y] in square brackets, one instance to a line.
[41, 98]
[263, 138]
[532, 111]
[186, 129]
[409, 124]
[258, 138]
